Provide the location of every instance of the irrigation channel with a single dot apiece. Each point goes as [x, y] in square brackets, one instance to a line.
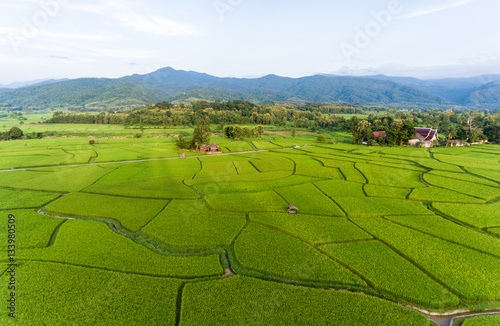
[147, 160]
[448, 320]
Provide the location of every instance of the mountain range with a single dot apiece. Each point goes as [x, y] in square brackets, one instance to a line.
[181, 86]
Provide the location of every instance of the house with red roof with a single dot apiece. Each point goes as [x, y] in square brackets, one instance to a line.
[426, 136]
[378, 134]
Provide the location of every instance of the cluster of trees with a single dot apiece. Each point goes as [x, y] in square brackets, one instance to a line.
[201, 135]
[237, 132]
[231, 112]
[344, 108]
[13, 133]
[87, 118]
[465, 125]
[399, 132]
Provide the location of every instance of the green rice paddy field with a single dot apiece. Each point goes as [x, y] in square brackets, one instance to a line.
[124, 232]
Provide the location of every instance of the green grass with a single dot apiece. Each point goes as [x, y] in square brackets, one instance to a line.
[243, 167]
[480, 216]
[313, 229]
[435, 194]
[246, 301]
[469, 162]
[93, 244]
[237, 146]
[132, 213]
[249, 186]
[373, 259]
[372, 206]
[464, 187]
[407, 152]
[217, 169]
[330, 162]
[495, 231]
[465, 177]
[28, 158]
[65, 179]
[253, 177]
[490, 174]
[352, 174]
[385, 191]
[274, 163]
[83, 296]
[13, 199]
[319, 172]
[7, 179]
[81, 156]
[481, 155]
[248, 202]
[334, 188]
[310, 200]
[437, 165]
[387, 176]
[169, 168]
[482, 321]
[192, 224]
[476, 276]
[32, 229]
[298, 157]
[448, 230]
[264, 145]
[271, 252]
[153, 187]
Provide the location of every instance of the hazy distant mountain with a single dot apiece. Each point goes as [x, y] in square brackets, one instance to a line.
[456, 90]
[177, 85]
[37, 82]
[486, 96]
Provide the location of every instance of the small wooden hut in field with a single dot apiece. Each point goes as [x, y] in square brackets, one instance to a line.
[292, 209]
[212, 148]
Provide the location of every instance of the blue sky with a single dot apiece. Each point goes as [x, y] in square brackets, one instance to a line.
[248, 38]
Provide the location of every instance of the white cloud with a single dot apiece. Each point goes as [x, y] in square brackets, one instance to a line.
[155, 25]
[436, 9]
[99, 51]
[123, 12]
[76, 36]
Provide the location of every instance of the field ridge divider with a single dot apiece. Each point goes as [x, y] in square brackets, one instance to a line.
[430, 206]
[357, 169]
[254, 166]
[181, 278]
[99, 179]
[240, 232]
[261, 275]
[440, 238]
[236, 168]
[161, 211]
[478, 176]
[315, 185]
[314, 247]
[53, 237]
[483, 199]
[130, 197]
[178, 306]
[414, 263]
[343, 242]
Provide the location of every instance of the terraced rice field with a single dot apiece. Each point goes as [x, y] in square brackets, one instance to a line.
[209, 241]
